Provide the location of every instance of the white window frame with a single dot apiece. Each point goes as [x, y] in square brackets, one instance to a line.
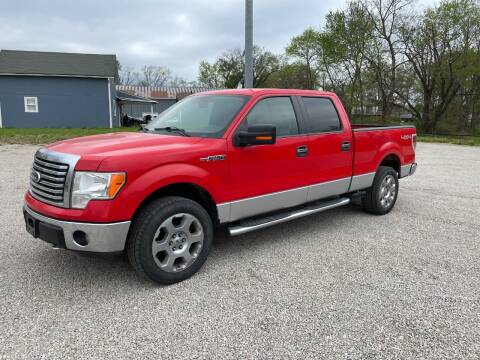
[25, 101]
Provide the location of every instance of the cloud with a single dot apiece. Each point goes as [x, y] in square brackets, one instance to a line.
[177, 34]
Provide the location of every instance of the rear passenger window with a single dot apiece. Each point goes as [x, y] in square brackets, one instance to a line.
[322, 116]
[276, 111]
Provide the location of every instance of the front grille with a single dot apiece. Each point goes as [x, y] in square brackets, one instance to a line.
[48, 179]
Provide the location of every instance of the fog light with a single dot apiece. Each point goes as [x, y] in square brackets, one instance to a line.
[80, 238]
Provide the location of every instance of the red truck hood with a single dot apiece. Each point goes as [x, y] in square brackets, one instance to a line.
[93, 150]
[120, 143]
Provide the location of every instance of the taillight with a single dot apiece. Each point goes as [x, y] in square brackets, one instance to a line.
[414, 141]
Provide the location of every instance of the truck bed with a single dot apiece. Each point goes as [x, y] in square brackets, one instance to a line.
[372, 143]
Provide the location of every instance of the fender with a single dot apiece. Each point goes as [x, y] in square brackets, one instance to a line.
[146, 184]
[387, 149]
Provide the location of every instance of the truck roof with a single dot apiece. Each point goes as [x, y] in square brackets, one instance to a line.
[258, 92]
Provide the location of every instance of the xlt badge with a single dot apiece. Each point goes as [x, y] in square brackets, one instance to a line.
[213, 158]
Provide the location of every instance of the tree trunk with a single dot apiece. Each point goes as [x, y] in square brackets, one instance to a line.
[427, 124]
[362, 101]
[385, 109]
[388, 107]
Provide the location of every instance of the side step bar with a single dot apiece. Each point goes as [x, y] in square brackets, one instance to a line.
[259, 223]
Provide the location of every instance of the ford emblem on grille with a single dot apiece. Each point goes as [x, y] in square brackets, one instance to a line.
[36, 176]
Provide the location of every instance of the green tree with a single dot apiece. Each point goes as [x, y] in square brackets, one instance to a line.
[227, 70]
[289, 76]
[383, 52]
[440, 47]
[265, 64]
[305, 48]
[209, 76]
[230, 67]
[346, 35]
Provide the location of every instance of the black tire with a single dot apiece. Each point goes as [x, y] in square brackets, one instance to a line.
[148, 222]
[372, 202]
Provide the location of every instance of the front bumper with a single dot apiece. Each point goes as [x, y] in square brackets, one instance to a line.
[91, 237]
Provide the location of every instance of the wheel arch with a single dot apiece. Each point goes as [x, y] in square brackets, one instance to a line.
[392, 160]
[187, 190]
[390, 154]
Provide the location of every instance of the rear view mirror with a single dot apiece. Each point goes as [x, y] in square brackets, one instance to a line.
[256, 135]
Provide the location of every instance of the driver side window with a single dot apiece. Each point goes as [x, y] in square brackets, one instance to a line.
[276, 111]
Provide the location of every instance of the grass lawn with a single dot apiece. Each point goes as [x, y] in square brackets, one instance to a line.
[45, 136]
[459, 140]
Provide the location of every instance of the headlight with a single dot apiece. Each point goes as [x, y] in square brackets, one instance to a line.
[94, 185]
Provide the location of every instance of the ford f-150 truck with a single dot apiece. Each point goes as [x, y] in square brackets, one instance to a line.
[245, 159]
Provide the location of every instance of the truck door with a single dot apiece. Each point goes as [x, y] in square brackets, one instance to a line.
[269, 177]
[330, 148]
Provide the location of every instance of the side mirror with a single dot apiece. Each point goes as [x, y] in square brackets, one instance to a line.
[256, 135]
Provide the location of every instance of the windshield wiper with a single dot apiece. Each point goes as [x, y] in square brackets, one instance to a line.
[173, 129]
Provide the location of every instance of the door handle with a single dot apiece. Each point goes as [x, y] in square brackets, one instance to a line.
[302, 151]
[346, 146]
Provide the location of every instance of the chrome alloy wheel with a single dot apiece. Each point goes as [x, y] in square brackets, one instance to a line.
[177, 242]
[388, 190]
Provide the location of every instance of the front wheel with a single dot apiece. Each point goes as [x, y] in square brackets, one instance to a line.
[381, 197]
[170, 239]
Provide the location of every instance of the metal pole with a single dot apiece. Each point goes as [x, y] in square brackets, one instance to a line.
[248, 77]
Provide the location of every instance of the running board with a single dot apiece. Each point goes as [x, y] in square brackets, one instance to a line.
[259, 223]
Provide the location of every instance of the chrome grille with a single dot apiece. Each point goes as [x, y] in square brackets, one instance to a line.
[51, 177]
[47, 180]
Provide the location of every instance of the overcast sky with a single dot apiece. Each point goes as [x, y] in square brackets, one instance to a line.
[177, 34]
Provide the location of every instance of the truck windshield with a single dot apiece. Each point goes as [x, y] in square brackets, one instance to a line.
[200, 115]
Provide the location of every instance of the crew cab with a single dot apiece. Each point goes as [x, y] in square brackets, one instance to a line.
[243, 159]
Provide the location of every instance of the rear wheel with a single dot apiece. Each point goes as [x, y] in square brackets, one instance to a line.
[170, 239]
[381, 197]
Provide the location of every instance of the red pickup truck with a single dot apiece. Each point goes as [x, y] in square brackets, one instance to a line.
[245, 159]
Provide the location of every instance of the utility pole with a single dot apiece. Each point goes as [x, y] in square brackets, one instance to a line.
[248, 76]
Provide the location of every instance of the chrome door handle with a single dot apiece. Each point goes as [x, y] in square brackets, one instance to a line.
[346, 146]
[302, 151]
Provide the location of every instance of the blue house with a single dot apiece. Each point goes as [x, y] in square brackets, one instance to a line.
[46, 89]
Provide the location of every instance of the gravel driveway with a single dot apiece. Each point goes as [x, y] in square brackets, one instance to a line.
[341, 284]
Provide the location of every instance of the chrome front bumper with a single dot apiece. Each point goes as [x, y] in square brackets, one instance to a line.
[92, 237]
